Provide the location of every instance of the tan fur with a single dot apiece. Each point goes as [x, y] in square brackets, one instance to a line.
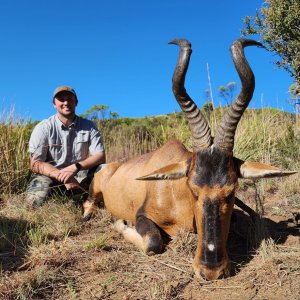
[95, 190]
[260, 170]
[123, 198]
[173, 193]
[173, 204]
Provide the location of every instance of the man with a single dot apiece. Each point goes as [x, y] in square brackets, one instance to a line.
[65, 150]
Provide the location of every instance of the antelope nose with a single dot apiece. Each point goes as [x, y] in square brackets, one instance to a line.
[222, 275]
[213, 276]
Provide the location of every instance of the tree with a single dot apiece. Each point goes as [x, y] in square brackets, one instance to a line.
[113, 114]
[295, 98]
[226, 92]
[277, 22]
[96, 112]
[208, 108]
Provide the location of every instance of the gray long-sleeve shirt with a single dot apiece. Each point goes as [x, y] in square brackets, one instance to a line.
[51, 141]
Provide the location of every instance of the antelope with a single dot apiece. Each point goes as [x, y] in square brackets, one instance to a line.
[172, 188]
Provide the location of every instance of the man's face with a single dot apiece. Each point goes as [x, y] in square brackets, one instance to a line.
[65, 103]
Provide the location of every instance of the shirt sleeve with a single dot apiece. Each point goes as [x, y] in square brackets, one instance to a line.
[96, 143]
[38, 143]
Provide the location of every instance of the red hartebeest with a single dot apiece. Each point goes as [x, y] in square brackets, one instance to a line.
[184, 190]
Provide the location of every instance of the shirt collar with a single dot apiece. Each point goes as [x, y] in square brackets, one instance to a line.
[63, 126]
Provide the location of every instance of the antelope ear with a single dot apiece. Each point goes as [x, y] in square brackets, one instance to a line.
[172, 171]
[253, 170]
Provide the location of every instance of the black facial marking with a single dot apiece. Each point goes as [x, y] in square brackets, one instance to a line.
[211, 250]
[212, 168]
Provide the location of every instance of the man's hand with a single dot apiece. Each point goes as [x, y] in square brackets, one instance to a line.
[72, 184]
[66, 174]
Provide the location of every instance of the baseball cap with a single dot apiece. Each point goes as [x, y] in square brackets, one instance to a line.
[64, 88]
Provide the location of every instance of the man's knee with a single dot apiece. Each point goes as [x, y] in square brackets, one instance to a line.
[36, 199]
[38, 190]
[86, 181]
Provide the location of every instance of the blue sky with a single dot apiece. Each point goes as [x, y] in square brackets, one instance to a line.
[116, 53]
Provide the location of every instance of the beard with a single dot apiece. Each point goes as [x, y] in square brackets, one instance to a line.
[69, 114]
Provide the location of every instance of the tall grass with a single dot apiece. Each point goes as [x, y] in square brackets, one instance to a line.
[268, 136]
[14, 167]
[126, 138]
[264, 135]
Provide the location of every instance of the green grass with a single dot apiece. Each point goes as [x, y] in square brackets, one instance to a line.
[98, 243]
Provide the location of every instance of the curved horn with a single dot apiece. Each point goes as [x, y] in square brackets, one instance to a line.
[199, 127]
[225, 134]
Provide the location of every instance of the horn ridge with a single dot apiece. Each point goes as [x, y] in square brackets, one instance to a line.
[225, 135]
[200, 130]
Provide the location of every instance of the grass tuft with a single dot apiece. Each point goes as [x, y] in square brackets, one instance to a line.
[98, 243]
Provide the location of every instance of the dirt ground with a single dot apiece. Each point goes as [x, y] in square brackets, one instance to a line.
[96, 263]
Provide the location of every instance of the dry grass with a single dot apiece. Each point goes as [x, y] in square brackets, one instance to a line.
[94, 262]
[50, 253]
[14, 136]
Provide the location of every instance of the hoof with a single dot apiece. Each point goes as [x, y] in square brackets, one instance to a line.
[89, 210]
[88, 217]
